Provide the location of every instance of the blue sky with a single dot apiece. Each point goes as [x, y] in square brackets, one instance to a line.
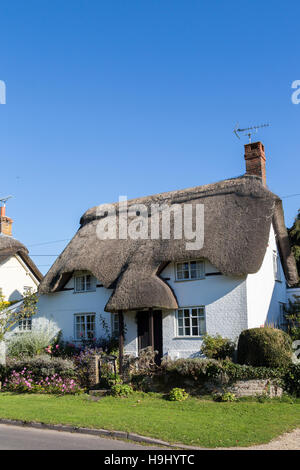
[109, 98]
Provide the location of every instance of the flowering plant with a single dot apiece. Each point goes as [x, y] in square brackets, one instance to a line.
[24, 382]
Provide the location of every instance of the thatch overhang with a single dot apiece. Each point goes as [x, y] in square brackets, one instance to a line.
[9, 246]
[237, 218]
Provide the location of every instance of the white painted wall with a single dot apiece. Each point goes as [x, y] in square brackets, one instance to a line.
[57, 310]
[264, 293]
[14, 276]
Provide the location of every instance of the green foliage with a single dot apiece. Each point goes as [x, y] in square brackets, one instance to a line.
[121, 390]
[264, 347]
[31, 343]
[292, 315]
[294, 236]
[225, 397]
[9, 318]
[40, 366]
[177, 394]
[210, 369]
[291, 379]
[216, 347]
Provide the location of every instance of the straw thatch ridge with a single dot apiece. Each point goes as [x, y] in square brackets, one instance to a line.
[9, 246]
[237, 217]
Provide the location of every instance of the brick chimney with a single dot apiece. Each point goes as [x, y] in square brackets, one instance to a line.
[256, 160]
[5, 223]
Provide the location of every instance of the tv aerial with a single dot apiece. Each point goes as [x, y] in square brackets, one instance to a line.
[4, 200]
[249, 131]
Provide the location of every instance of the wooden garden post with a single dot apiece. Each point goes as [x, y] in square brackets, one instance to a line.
[121, 341]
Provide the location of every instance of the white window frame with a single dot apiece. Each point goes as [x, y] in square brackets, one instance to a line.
[180, 315]
[276, 266]
[88, 285]
[85, 336]
[25, 324]
[190, 278]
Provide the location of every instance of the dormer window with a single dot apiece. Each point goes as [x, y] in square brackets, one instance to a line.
[83, 283]
[190, 270]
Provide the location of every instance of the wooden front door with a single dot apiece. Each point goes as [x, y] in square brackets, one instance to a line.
[149, 325]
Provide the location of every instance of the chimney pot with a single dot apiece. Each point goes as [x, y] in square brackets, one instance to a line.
[5, 223]
[256, 160]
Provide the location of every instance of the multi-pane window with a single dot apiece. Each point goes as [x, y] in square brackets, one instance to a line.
[83, 283]
[115, 324]
[25, 324]
[190, 270]
[276, 267]
[191, 321]
[85, 326]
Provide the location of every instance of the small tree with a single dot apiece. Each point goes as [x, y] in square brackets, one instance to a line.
[9, 318]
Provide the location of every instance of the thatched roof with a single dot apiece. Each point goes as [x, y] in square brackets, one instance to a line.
[238, 215]
[9, 246]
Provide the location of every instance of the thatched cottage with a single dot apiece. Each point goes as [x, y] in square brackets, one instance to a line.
[18, 272]
[157, 292]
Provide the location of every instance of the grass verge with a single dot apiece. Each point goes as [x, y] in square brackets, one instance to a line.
[193, 422]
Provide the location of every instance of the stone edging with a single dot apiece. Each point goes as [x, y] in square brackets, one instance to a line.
[95, 432]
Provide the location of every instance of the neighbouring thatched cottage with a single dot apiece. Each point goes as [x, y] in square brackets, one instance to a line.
[161, 292]
[18, 273]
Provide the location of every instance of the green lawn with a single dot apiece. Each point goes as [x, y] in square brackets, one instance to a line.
[195, 422]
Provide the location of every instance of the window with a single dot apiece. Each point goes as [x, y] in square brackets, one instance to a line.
[115, 324]
[85, 327]
[190, 270]
[25, 324]
[27, 289]
[191, 321]
[276, 267]
[83, 283]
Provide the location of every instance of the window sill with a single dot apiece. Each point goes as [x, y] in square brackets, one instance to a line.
[190, 280]
[188, 337]
[84, 291]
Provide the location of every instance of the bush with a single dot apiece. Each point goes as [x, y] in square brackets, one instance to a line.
[291, 379]
[120, 390]
[24, 381]
[31, 343]
[177, 394]
[41, 367]
[225, 397]
[216, 347]
[267, 347]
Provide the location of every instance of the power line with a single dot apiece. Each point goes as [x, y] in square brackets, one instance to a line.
[43, 255]
[50, 243]
[290, 195]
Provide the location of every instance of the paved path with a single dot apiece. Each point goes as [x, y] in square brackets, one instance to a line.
[18, 438]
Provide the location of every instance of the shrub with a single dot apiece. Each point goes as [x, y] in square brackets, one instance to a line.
[291, 379]
[121, 390]
[31, 343]
[216, 347]
[225, 397]
[177, 394]
[24, 381]
[267, 347]
[42, 367]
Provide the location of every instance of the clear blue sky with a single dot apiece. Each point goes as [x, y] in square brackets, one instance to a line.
[116, 97]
